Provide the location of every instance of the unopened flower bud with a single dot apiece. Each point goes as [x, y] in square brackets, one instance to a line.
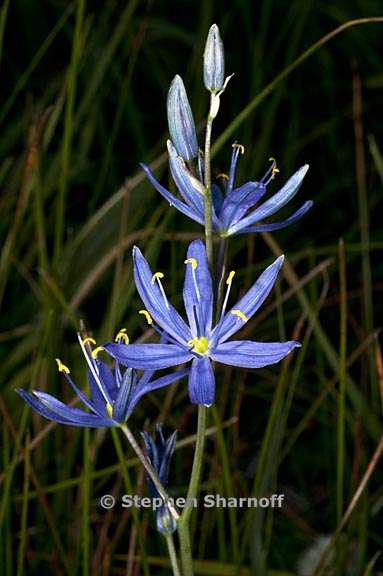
[214, 61]
[180, 121]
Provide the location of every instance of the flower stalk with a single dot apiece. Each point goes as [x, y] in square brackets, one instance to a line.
[195, 479]
[208, 201]
[184, 521]
[150, 470]
[172, 554]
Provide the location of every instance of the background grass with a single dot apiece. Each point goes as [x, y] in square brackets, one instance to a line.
[83, 92]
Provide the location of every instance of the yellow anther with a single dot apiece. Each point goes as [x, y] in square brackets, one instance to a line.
[61, 367]
[223, 175]
[199, 345]
[239, 314]
[122, 335]
[145, 313]
[89, 340]
[275, 170]
[240, 146]
[191, 261]
[230, 277]
[157, 275]
[96, 351]
[109, 409]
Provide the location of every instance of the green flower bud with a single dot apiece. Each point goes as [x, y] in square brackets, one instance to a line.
[180, 121]
[214, 61]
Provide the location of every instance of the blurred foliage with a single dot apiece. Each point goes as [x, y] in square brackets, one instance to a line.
[83, 93]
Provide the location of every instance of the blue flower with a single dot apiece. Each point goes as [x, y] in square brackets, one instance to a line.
[159, 452]
[113, 395]
[236, 210]
[197, 341]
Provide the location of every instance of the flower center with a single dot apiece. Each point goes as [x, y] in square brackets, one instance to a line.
[199, 345]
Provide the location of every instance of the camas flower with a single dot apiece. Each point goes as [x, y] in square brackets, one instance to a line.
[159, 452]
[198, 342]
[235, 210]
[113, 395]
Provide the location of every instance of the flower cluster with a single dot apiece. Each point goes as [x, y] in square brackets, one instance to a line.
[203, 336]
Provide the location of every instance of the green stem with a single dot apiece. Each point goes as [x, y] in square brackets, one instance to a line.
[208, 196]
[184, 521]
[150, 470]
[172, 555]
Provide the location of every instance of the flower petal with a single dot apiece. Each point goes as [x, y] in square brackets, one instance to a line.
[148, 356]
[248, 354]
[249, 303]
[239, 201]
[162, 311]
[53, 409]
[217, 198]
[173, 201]
[202, 382]
[273, 204]
[198, 290]
[91, 405]
[121, 405]
[188, 185]
[96, 395]
[279, 225]
[107, 379]
[190, 188]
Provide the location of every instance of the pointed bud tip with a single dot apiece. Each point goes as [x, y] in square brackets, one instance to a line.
[136, 251]
[214, 61]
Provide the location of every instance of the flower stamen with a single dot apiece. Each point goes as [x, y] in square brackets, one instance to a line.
[109, 409]
[145, 313]
[157, 277]
[240, 315]
[194, 265]
[122, 335]
[89, 340]
[229, 281]
[96, 351]
[91, 361]
[271, 172]
[199, 345]
[191, 261]
[61, 367]
[239, 146]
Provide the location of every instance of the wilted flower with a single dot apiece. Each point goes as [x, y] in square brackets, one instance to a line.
[180, 121]
[113, 395]
[236, 210]
[214, 61]
[198, 342]
[159, 452]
